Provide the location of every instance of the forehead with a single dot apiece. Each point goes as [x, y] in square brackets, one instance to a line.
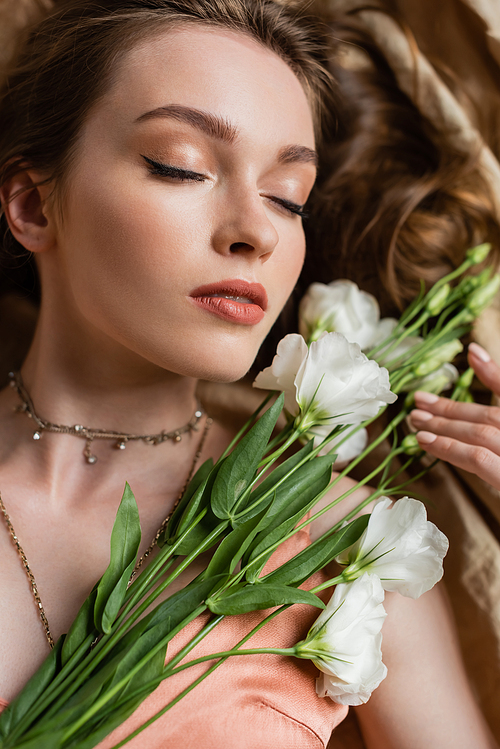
[214, 70]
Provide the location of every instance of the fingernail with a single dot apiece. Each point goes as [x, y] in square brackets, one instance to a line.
[425, 397]
[479, 351]
[425, 438]
[418, 415]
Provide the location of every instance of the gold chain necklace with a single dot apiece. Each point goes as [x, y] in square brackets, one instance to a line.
[89, 434]
[26, 565]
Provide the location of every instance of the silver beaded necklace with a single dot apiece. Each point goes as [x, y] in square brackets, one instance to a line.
[89, 434]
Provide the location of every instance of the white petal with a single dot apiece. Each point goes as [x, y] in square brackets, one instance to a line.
[352, 388]
[291, 352]
[347, 451]
[340, 307]
[348, 632]
[400, 546]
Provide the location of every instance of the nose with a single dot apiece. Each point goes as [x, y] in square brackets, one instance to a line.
[243, 227]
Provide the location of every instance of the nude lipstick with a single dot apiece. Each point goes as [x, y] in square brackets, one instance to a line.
[233, 300]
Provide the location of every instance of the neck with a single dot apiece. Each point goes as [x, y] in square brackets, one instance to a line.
[96, 384]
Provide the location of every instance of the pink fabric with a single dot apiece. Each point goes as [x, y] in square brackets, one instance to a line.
[249, 702]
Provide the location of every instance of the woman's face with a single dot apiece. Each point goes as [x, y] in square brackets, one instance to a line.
[181, 238]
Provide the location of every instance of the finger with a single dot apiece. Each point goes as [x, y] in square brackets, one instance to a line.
[472, 434]
[485, 368]
[478, 460]
[473, 412]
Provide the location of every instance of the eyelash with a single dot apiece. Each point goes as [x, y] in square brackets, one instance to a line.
[294, 208]
[174, 172]
[184, 175]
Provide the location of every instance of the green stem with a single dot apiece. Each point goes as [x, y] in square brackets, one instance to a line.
[246, 426]
[110, 693]
[148, 687]
[236, 579]
[328, 584]
[85, 669]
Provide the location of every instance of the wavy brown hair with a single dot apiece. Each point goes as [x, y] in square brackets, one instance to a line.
[395, 202]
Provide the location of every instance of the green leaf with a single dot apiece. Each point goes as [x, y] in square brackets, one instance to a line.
[52, 741]
[293, 500]
[125, 540]
[196, 486]
[82, 627]
[70, 711]
[84, 740]
[200, 501]
[197, 535]
[238, 469]
[34, 689]
[133, 655]
[317, 555]
[174, 610]
[231, 549]
[297, 491]
[269, 483]
[261, 596]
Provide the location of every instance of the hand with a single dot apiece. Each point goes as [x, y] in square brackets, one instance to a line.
[464, 434]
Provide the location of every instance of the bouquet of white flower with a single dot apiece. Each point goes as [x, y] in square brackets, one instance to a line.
[251, 501]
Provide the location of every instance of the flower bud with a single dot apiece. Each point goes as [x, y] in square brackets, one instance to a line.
[468, 284]
[465, 379]
[444, 353]
[410, 445]
[437, 302]
[483, 296]
[435, 382]
[478, 254]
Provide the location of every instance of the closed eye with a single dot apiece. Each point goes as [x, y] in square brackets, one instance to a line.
[173, 172]
[294, 208]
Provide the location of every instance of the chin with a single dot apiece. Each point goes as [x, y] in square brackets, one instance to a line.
[220, 371]
[217, 358]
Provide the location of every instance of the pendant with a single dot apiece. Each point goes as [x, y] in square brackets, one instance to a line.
[89, 457]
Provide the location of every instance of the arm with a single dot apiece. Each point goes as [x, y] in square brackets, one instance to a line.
[425, 701]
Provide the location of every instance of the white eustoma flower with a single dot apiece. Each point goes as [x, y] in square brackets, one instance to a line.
[399, 545]
[345, 642]
[349, 449]
[329, 383]
[340, 307]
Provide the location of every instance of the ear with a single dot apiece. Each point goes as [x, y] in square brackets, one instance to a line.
[25, 206]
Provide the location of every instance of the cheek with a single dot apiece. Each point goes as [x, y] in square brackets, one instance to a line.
[286, 264]
[127, 252]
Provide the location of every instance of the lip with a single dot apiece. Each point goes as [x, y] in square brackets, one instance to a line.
[212, 298]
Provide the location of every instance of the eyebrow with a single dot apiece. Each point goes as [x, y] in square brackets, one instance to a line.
[293, 154]
[221, 129]
[210, 124]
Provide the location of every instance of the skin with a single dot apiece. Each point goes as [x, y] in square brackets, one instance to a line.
[464, 434]
[120, 343]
